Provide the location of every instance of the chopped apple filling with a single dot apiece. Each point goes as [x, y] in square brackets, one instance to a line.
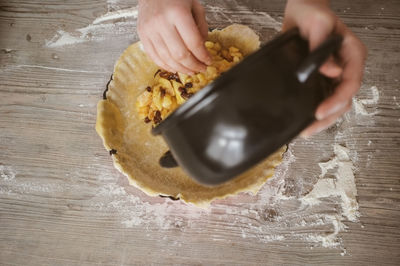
[173, 89]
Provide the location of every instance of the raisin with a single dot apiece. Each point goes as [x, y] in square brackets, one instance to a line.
[147, 120]
[148, 89]
[157, 117]
[169, 76]
[164, 74]
[175, 77]
[162, 92]
[188, 85]
[186, 95]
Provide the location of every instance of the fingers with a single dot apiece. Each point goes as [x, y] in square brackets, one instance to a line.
[338, 100]
[191, 36]
[200, 19]
[173, 33]
[165, 54]
[150, 50]
[353, 55]
[320, 125]
[313, 18]
[316, 21]
[180, 53]
[330, 68]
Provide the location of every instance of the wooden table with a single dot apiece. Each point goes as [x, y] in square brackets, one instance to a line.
[63, 203]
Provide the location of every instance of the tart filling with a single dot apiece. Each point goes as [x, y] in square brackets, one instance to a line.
[156, 102]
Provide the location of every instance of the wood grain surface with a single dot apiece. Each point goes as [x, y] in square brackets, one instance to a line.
[63, 203]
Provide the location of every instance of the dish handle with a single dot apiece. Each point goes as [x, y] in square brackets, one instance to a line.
[317, 57]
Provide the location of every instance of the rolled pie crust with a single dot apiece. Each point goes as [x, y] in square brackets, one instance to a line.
[135, 152]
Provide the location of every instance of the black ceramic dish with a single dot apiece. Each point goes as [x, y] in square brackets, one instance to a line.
[248, 112]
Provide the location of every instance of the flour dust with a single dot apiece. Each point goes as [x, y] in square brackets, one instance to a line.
[118, 23]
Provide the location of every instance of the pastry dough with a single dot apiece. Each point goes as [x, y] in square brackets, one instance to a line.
[136, 152]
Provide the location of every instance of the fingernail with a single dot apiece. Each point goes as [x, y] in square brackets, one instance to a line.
[329, 112]
[304, 134]
[307, 134]
[318, 130]
[319, 116]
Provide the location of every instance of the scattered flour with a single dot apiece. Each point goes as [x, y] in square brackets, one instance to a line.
[362, 114]
[122, 23]
[124, 13]
[253, 17]
[52, 68]
[342, 186]
[112, 4]
[395, 101]
[133, 211]
[10, 185]
[63, 38]
[359, 105]
[330, 239]
[269, 216]
[7, 173]
[102, 28]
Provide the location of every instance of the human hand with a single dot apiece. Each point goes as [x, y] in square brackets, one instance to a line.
[173, 34]
[316, 21]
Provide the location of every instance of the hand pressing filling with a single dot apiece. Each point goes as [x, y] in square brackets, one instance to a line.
[173, 89]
